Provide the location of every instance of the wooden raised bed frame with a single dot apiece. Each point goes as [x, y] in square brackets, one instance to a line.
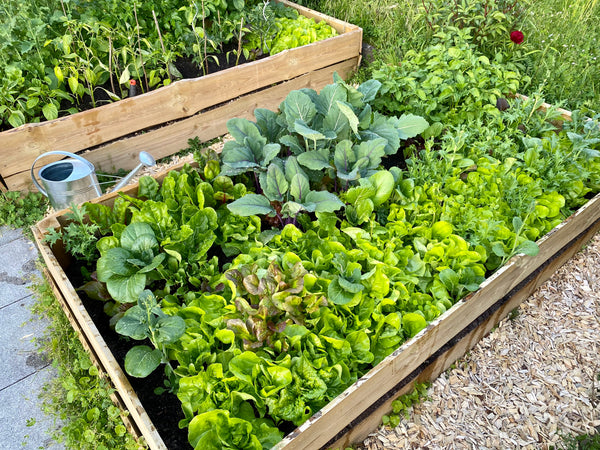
[358, 410]
[162, 121]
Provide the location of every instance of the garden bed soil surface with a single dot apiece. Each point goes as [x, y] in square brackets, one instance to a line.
[186, 66]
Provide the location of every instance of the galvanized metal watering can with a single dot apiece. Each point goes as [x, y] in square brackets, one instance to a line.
[74, 180]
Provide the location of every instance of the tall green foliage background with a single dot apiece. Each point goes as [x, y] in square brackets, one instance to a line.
[560, 51]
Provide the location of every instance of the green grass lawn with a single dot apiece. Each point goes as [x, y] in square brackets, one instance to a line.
[560, 50]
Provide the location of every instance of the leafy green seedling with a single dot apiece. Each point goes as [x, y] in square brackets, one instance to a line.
[126, 262]
[146, 320]
[78, 237]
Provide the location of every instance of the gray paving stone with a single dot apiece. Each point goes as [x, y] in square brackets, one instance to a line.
[17, 350]
[9, 234]
[23, 371]
[17, 264]
[23, 425]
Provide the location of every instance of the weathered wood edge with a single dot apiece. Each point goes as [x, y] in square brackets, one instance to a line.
[99, 348]
[409, 358]
[461, 344]
[179, 100]
[171, 138]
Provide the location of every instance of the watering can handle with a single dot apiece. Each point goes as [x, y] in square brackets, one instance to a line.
[55, 152]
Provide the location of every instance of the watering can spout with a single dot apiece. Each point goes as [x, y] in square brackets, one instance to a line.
[146, 160]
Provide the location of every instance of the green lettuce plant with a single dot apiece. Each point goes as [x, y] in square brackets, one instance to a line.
[298, 31]
[371, 193]
[127, 262]
[272, 28]
[216, 429]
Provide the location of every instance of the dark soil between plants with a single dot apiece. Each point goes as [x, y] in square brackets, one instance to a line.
[187, 66]
[164, 410]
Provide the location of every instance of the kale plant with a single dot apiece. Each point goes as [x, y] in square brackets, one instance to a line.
[316, 144]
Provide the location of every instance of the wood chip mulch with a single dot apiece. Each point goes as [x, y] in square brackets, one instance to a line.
[533, 379]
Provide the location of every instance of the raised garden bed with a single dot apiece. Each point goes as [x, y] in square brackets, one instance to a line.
[162, 121]
[358, 410]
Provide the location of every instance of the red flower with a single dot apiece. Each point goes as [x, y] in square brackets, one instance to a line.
[517, 37]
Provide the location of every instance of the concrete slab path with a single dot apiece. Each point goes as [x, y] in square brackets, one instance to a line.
[23, 371]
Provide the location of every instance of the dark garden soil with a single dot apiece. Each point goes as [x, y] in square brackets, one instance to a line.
[164, 410]
[408, 146]
[187, 67]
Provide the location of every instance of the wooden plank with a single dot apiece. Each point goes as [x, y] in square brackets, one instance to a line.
[114, 396]
[339, 25]
[178, 100]
[566, 115]
[207, 125]
[99, 347]
[349, 405]
[429, 371]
